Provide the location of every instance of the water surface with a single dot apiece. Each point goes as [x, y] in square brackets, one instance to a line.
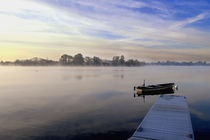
[39, 103]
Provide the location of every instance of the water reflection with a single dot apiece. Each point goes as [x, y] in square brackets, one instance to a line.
[143, 95]
[119, 76]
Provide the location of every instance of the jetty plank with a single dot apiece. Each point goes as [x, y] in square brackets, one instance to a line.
[168, 119]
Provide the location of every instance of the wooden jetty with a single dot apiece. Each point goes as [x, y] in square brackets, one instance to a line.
[168, 119]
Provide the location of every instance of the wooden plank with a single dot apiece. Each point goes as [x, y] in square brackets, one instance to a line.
[168, 119]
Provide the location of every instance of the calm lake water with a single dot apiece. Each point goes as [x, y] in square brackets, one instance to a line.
[38, 103]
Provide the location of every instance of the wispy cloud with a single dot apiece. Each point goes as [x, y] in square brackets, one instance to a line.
[103, 27]
[183, 23]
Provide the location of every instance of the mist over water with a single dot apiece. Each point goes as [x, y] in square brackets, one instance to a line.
[92, 102]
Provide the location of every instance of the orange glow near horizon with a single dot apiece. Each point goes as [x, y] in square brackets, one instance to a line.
[50, 29]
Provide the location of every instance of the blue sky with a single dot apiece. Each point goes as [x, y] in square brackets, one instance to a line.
[142, 29]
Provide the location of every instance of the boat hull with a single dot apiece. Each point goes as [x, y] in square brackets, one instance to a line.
[158, 92]
[156, 89]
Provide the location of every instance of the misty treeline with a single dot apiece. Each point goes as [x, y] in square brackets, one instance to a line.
[77, 60]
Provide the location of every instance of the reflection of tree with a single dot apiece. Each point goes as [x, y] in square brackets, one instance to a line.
[121, 76]
[79, 77]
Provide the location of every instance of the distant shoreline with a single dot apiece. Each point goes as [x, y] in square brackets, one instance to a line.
[58, 65]
[79, 60]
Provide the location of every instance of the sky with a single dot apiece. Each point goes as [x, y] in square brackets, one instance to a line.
[147, 30]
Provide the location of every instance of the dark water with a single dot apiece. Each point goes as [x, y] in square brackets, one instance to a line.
[61, 103]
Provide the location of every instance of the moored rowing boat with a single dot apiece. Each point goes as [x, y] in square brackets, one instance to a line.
[168, 87]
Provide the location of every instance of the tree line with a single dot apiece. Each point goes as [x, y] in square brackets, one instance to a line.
[77, 60]
[174, 63]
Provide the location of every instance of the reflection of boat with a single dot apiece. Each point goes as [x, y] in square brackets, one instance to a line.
[170, 91]
[155, 89]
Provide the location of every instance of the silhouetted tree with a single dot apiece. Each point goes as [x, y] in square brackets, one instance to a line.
[35, 61]
[115, 60]
[78, 59]
[88, 61]
[122, 60]
[132, 62]
[66, 59]
[17, 62]
[97, 61]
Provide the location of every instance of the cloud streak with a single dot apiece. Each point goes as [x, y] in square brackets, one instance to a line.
[181, 24]
[100, 27]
